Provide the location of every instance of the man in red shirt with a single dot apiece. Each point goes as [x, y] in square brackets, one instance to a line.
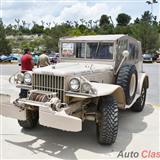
[26, 65]
[26, 61]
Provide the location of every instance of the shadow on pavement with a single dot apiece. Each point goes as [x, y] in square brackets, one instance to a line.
[63, 145]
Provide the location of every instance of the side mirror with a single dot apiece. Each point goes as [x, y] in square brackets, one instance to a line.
[125, 53]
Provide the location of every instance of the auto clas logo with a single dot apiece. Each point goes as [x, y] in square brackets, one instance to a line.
[142, 154]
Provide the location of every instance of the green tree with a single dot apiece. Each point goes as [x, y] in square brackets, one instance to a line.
[51, 37]
[104, 21]
[122, 30]
[147, 17]
[5, 47]
[123, 19]
[105, 26]
[24, 30]
[136, 20]
[147, 32]
[37, 29]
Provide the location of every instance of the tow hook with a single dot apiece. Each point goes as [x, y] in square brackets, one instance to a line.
[56, 104]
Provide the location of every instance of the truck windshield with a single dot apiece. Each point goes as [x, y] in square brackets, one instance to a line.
[94, 50]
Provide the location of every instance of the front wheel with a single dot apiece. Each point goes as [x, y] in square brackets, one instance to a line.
[32, 120]
[107, 126]
[140, 102]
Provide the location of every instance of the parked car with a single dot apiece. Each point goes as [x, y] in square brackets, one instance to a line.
[7, 58]
[147, 58]
[158, 59]
[155, 56]
[54, 57]
[100, 75]
[3, 57]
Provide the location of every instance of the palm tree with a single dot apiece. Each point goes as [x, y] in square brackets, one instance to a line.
[42, 22]
[24, 23]
[82, 21]
[18, 23]
[33, 22]
[76, 23]
[90, 23]
[48, 24]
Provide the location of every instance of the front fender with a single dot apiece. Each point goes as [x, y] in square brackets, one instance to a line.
[103, 89]
[110, 89]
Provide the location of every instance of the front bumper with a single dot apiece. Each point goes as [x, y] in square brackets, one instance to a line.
[47, 117]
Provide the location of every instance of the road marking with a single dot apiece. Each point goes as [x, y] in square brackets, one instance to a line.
[154, 105]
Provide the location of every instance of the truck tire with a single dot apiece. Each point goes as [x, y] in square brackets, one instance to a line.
[107, 126]
[32, 120]
[140, 102]
[127, 78]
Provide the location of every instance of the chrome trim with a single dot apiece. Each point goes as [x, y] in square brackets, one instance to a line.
[50, 83]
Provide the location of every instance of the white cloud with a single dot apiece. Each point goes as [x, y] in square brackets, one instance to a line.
[82, 10]
[56, 11]
[60, 11]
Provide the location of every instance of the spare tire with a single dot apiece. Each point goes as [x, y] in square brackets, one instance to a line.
[127, 79]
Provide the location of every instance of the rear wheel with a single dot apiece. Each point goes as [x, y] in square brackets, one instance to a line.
[140, 102]
[107, 126]
[32, 120]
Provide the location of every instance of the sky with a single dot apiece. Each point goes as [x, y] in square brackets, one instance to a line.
[55, 11]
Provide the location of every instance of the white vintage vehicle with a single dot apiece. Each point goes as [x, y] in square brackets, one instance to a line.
[97, 75]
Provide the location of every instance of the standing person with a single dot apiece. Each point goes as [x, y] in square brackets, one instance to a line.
[26, 65]
[43, 60]
[26, 61]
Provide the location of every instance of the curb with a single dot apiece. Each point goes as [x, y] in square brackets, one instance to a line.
[8, 62]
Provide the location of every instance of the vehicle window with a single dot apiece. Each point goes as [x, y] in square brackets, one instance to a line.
[136, 51]
[99, 50]
[79, 50]
[75, 50]
[67, 49]
[93, 50]
[122, 45]
[131, 51]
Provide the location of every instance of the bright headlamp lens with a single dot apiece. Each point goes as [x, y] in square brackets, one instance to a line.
[27, 78]
[86, 87]
[20, 77]
[74, 84]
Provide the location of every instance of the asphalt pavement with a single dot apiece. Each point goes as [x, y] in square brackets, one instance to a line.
[138, 132]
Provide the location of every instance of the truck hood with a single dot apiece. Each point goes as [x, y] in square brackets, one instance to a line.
[65, 69]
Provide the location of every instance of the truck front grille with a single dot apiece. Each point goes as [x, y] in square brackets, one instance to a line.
[49, 83]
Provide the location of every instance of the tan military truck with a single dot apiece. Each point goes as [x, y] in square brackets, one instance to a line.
[97, 75]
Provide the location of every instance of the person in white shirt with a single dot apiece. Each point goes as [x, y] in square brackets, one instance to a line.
[43, 60]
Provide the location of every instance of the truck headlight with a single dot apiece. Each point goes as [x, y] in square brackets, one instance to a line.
[74, 84]
[27, 78]
[20, 77]
[86, 87]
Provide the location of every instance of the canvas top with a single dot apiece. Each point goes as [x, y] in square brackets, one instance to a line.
[111, 37]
